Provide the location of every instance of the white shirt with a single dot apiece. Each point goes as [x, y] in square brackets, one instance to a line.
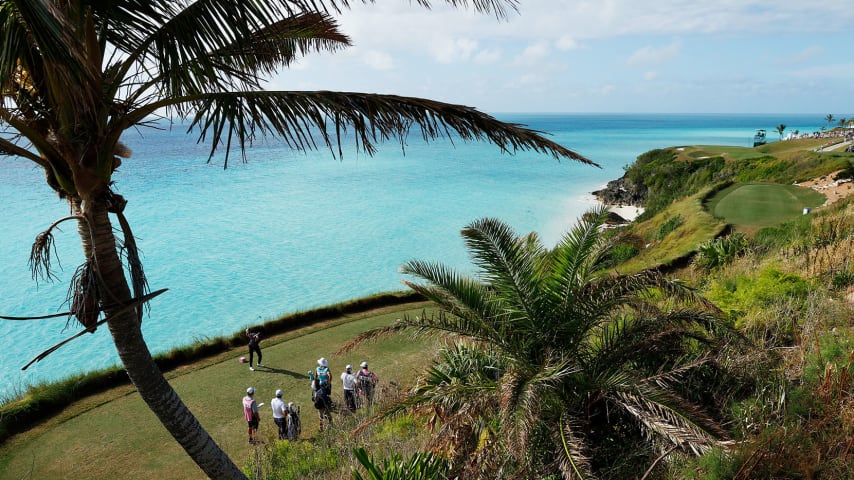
[279, 407]
[349, 381]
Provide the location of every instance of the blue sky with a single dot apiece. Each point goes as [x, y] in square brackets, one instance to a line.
[724, 56]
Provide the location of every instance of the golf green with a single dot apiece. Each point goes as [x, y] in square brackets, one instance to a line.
[763, 204]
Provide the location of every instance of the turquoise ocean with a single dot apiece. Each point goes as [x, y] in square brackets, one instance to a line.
[289, 231]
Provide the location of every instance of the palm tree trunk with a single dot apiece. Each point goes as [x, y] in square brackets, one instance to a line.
[125, 328]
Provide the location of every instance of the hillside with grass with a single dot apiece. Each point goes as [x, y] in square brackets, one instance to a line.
[779, 380]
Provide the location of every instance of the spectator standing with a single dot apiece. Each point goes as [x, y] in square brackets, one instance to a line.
[254, 347]
[250, 412]
[323, 376]
[323, 404]
[280, 414]
[349, 382]
[366, 380]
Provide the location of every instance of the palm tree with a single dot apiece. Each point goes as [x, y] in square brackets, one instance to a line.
[558, 361]
[829, 119]
[780, 129]
[76, 74]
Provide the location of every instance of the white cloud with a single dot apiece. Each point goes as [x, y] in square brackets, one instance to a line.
[490, 55]
[566, 42]
[604, 90]
[448, 50]
[838, 71]
[534, 53]
[655, 55]
[378, 60]
[572, 46]
[801, 56]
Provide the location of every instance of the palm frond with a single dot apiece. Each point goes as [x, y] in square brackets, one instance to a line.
[508, 265]
[575, 256]
[573, 462]
[9, 148]
[49, 28]
[665, 336]
[677, 421]
[474, 308]
[307, 120]
[373, 335]
[238, 62]
[527, 395]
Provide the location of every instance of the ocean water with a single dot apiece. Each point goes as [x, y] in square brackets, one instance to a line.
[289, 231]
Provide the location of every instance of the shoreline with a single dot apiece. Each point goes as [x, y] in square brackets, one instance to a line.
[627, 212]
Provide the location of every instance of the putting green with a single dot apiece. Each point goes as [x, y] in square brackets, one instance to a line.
[762, 204]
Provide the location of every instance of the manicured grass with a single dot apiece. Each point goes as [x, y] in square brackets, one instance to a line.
[114, 435]
[762, 204]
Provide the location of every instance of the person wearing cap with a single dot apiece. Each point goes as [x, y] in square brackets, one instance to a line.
[280, 414]
[250, 411]
[367, 381]
[254, 347]
[349, 381]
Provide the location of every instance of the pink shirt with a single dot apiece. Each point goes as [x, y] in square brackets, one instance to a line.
[250, 408]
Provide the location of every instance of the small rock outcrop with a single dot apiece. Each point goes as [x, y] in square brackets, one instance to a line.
[622, 191]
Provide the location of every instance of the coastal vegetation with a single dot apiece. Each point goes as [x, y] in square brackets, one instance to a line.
[779, 384]
[557, 366]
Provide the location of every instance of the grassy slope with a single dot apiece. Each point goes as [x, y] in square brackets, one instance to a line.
[698, 226]
[114, 435]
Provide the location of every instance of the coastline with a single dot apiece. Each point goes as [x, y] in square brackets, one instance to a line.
[626, 211]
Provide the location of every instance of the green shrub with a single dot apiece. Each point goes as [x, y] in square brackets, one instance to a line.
[745, 293]
[721, 251]
[713, 465]
[621, 253]
[420, 466]
[669, 226]
[285, 460]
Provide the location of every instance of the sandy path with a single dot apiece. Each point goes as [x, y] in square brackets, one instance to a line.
[832, 189]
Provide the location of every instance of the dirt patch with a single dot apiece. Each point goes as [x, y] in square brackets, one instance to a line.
[833, 189]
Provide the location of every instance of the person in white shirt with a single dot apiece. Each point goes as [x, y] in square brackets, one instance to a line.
[349, 381]
[280, 414]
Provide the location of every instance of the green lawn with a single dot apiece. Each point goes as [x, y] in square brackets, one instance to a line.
[114, 435]
[762, 204]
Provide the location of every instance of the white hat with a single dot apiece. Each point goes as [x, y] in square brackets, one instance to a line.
[279, 393]
[290, 404]
[250, 390]
[364, 365]
[348, 367]
[322, 362]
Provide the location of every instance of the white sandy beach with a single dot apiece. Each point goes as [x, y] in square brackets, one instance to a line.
[626, 211]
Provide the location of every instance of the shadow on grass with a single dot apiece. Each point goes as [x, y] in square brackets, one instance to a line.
[281, 371]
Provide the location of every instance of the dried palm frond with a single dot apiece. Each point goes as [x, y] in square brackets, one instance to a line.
[40, 253]
[84, 296]
[139, 283]
[40, 257]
